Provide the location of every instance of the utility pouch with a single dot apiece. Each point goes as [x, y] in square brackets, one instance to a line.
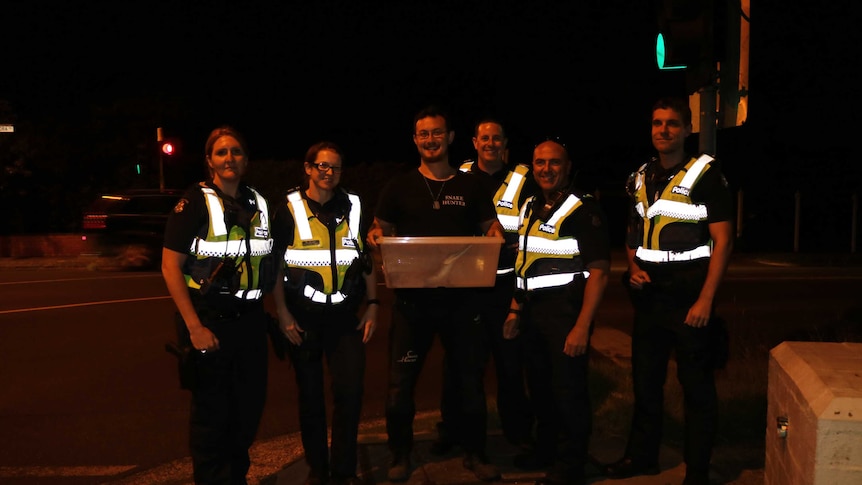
[311, 348]
[267, 272]
[719, 342]
[278, 340]
[185, 353]
[354, 281]
[224, 279]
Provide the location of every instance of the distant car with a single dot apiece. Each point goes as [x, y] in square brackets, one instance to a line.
[130, 225]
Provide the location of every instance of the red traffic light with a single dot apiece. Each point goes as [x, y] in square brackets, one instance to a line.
[168, 148]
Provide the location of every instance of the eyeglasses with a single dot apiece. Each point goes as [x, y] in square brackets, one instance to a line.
[436, 134]
[325, 167]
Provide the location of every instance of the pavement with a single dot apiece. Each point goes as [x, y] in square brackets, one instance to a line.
[279, 461]
[432, 470]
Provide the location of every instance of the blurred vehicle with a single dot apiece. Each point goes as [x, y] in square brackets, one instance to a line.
[130, 225]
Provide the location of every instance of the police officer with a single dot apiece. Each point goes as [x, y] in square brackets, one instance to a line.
[678, 245]
[326, 275]
[511, 187]
[217, 267]
[562, 270]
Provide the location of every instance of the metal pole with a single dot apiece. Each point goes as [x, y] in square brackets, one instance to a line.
[853, 211]
[707, 119]
[798, 197]
[161, 159]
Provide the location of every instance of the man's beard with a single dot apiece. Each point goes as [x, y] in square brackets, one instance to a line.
[440, 155]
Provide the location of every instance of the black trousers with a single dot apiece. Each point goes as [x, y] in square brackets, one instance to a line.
[658, 332]
[452, 316]
[513, 405]
[331, 335]
[228, 399]
[558, 384]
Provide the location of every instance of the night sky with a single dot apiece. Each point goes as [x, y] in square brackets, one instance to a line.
[288, 74]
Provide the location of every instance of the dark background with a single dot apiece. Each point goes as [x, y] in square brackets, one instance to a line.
[87, 83]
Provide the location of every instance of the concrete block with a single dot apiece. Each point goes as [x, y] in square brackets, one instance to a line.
[817, 388]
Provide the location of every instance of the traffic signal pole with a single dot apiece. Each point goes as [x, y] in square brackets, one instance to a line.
[161, 159]
[708, 126]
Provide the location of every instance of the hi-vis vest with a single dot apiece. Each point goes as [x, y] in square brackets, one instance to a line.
[541, 242]
[232, 242]
[313, 251]
[674, 206]
[506, 199]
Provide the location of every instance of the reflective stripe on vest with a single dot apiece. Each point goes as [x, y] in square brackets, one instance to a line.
[549, 280]
[506, 197]
[657, 256]
[302, 225]
[249, 295]
[220, 242]
[556, 247]
[678, 209]
[663, 218]
[234, 248]
[318, 257]
[317, 254]
[321, 297]
[544, 243]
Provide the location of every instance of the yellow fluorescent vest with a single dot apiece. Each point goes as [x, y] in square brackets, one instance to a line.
[232, 242]
[313, 251]
[674, 205]
[506, 199]
[541, 241]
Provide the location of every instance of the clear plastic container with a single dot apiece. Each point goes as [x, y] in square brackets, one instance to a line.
[435, 262]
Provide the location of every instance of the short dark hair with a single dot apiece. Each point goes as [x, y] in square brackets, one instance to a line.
[489, 119]
[677, 104]
[312, 152]
[432, 111]
[221, 131]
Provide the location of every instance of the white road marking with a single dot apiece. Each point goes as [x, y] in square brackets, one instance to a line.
[75, 305]
[63, 280]
[63, 471]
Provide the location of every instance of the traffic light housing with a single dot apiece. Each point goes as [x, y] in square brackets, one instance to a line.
[690, 37]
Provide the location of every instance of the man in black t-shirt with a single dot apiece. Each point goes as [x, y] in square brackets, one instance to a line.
[510, 186]
[435, 200]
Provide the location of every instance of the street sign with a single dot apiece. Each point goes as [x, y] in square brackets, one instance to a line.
[7, 128]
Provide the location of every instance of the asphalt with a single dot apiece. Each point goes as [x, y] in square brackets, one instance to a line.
[279, 461]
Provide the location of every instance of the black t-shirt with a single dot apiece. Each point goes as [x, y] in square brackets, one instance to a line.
[408, 202]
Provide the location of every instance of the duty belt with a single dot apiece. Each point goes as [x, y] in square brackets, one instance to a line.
[657, 256]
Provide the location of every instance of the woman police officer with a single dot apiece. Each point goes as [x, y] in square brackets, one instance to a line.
[216, 266]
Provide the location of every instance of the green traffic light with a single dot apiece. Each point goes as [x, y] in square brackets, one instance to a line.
[660, 55]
